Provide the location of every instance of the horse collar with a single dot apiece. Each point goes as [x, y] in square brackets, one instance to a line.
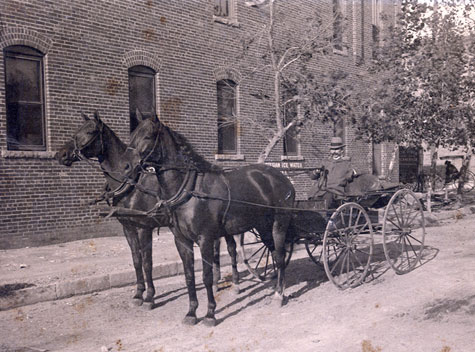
[183, 194]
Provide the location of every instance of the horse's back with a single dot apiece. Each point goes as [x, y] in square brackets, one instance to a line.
[262, 183]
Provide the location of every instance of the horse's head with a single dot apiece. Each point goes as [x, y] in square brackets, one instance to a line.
[143, 149]
[86, 142]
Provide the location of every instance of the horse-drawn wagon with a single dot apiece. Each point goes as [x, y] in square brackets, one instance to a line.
[158, 180]
[342, 240]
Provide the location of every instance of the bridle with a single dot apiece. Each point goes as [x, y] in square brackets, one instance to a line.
[77, 152]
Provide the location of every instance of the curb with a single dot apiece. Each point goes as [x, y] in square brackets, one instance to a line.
[65, 289]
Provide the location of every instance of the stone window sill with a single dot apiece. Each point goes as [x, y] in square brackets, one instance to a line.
[226, 20]
[26, 154]
[233, 157]
[292, 158]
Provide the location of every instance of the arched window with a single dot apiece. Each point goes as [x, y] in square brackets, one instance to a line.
[141, 93]
[24, 90]
[227, 122]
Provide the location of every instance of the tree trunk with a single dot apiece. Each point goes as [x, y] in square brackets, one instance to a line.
[463, 171]
[392, 161]
[433, 165]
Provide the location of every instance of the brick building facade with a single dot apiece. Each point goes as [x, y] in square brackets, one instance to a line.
[85, 53]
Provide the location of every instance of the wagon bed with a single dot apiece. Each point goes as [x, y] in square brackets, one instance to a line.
[342, 240]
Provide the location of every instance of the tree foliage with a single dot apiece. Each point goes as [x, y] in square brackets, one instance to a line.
[424, 93]
[287, 51]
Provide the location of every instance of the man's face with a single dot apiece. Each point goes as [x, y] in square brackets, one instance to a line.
[336, 153]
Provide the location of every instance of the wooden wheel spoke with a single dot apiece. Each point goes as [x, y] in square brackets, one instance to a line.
[415, 239]
[344, 262]
[342, 216]
[262, 256]
[410, 221]
[251, 243]
[357, 220]
[337, 260]
[392, 222]
[350, 217]
[347, 263]
[257, 251]
[412, 247]
[407, 252]
[365, 225]
[397, 217]
[358, 259]
[363, 252]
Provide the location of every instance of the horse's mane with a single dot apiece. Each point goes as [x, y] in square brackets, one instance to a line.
[186, 151]
[113, 134]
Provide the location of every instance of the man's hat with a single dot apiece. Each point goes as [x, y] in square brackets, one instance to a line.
[336, 143]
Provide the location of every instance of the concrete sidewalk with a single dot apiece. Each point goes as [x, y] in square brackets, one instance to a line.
[31, 275]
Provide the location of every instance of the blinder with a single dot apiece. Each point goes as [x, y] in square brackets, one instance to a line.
[78, 150]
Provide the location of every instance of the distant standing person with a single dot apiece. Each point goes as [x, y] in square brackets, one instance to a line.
[451, 172]
[333, 176]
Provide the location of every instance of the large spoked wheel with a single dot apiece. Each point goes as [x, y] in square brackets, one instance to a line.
[403, 231]
[258, 258]
[314, 250]
[348, 246]
[469, 182]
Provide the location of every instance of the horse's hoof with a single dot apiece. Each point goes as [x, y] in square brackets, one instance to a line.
[209, 321]
[278, 300]
[147, 305]
[190, 320]
[137, 302]
[236, 289]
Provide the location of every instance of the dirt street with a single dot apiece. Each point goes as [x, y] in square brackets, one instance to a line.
[430, 309]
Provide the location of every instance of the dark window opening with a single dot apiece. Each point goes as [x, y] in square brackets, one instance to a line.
[227, 126]
[141, 93]
[221, 8]
[337, 25]
[24, 98]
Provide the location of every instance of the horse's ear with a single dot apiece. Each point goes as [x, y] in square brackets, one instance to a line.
[138, 114]
[84, 116]
[96, 116]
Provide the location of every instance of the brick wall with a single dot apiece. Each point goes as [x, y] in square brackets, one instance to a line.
[89, 47]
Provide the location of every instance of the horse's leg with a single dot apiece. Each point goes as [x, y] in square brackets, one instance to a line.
[145, 237]
[207, 253]
[279, 230]
[131, 235]
[216, 264]
[185, 249]
[233, 254]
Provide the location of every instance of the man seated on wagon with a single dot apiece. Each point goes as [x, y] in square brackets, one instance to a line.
[333, 176]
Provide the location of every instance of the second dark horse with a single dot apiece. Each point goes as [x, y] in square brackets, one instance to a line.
[205, 202]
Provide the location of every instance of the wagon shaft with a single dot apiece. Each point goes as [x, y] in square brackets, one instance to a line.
[107, 211]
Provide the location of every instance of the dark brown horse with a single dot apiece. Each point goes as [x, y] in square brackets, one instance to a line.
[205, 202]
[94, 139]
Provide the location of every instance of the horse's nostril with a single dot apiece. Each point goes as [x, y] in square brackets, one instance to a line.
[127, 167]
